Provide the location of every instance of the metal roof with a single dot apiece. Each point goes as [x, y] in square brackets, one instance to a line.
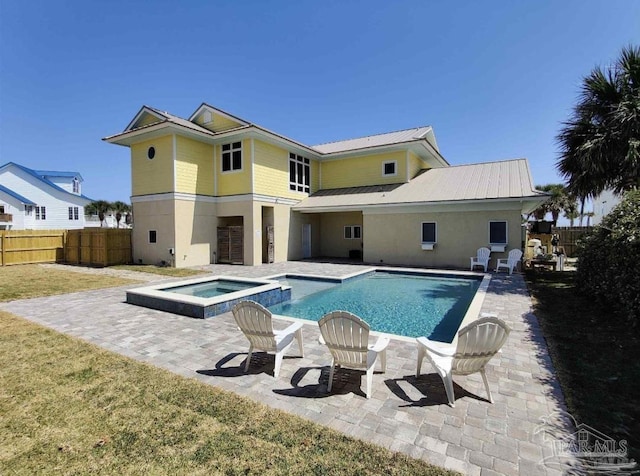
[15, 195]
[54, 173]
[493, 180]
[43, 179]
[388, 138]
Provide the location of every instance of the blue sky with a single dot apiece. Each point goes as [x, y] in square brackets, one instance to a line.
[495, 79]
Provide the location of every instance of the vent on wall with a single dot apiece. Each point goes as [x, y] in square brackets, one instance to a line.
[207, 117]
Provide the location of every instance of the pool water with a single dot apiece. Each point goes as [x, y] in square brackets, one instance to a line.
[211, 288]
[410, 305]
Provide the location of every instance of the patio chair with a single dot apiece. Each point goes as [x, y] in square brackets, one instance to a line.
[256, 324]
[511, 262]
[469, 352]
[347, 337]
[482, 259]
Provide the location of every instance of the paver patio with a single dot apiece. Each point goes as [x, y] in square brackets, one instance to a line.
[404, 414]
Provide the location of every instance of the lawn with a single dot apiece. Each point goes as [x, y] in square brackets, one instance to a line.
[595, 356]
[162, 270]
[31, 280]
[69, 407]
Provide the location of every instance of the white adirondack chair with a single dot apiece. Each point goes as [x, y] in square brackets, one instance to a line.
[469, 352]
[255, 322]
[511, 262]
[482, 259]
[347, 337]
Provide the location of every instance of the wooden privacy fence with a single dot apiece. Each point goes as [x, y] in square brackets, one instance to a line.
[98, 246]
[31, 246]
[569, 235]
[90, 246]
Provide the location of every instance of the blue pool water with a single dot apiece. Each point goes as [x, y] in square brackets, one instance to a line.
[211, 288]
[410, 305]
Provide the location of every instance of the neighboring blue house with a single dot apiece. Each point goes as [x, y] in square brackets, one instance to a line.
[40, 199]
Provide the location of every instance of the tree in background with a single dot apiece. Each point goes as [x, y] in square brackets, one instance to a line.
[558, 201]
[101, 208]
[120, 208]
[600, 144]
[571, 211]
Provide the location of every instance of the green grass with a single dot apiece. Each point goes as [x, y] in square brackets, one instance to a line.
[162, 270]
[595, 356]
[31, 280]
[69, 407]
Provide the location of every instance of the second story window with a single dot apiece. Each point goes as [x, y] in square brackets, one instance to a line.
[389, 168]
[232, 156]
[299, 173]
[76, 185]
[41, 213]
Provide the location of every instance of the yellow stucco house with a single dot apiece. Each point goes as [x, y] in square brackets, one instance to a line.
[217, 188]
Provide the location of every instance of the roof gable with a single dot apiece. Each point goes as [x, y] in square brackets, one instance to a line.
[216, 120]
[146, 116]
[377, 140]
[42, 178]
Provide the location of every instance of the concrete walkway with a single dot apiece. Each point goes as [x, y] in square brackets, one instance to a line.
[404, 414]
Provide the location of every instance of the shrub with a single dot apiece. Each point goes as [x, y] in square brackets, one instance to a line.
[609, 259]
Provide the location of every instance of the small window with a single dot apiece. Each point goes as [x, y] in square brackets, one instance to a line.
[76, 185]
[76, 215]
[352, 232]
[497, 232]
[151, 152]
[29, 210]
[232, 157]
[429, 232]
[1, 208]
[389, 168]
[70, 213]
[152, 236]
[41, 213]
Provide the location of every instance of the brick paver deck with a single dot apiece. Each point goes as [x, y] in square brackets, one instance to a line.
[404, 414]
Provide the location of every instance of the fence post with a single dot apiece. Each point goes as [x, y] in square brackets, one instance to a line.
[2, 249]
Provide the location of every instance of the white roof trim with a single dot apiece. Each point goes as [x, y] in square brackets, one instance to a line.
[145, 110]
[205, 106]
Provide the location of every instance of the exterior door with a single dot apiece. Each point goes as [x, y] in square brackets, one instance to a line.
[306, 240]
[270, 244]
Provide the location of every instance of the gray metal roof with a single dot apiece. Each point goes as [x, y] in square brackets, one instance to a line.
[492, 180]
[389, 138]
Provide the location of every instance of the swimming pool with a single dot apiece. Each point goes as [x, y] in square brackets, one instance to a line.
[209, 289]
[405, 304]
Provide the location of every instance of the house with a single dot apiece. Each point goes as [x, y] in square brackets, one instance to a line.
[40, 199]
[218, 188]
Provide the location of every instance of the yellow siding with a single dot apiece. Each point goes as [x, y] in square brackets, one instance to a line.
[416, 164]
[194, 166]
[315, 176]
[219, 122]
[146, 120]
[238, 181]
[155, 175]
[361, 171]
[271, 171]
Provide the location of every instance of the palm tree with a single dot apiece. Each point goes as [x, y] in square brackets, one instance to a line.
[556, 203]
[101, 207]
[571, 211]
[120, 208]
[600, 143]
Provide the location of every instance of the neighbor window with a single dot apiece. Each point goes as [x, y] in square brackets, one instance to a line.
[389, 168]
[232, 156]
[41, 213]
[429, 232]
[299, 173]
[497, 232]
[76, 185]
[152, 236]
[73, 213]
[1, 208]
[29, 209]
[352, 232]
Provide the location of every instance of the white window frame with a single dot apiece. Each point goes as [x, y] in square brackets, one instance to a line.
[301, 183]
[76, 214]
[28, 209]
[70, 213]
[231, 150]
[155, 236]
[428, 245]
[499, 246]
[395, 168]
[76, 185]
[350, 232]
[41, 213]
